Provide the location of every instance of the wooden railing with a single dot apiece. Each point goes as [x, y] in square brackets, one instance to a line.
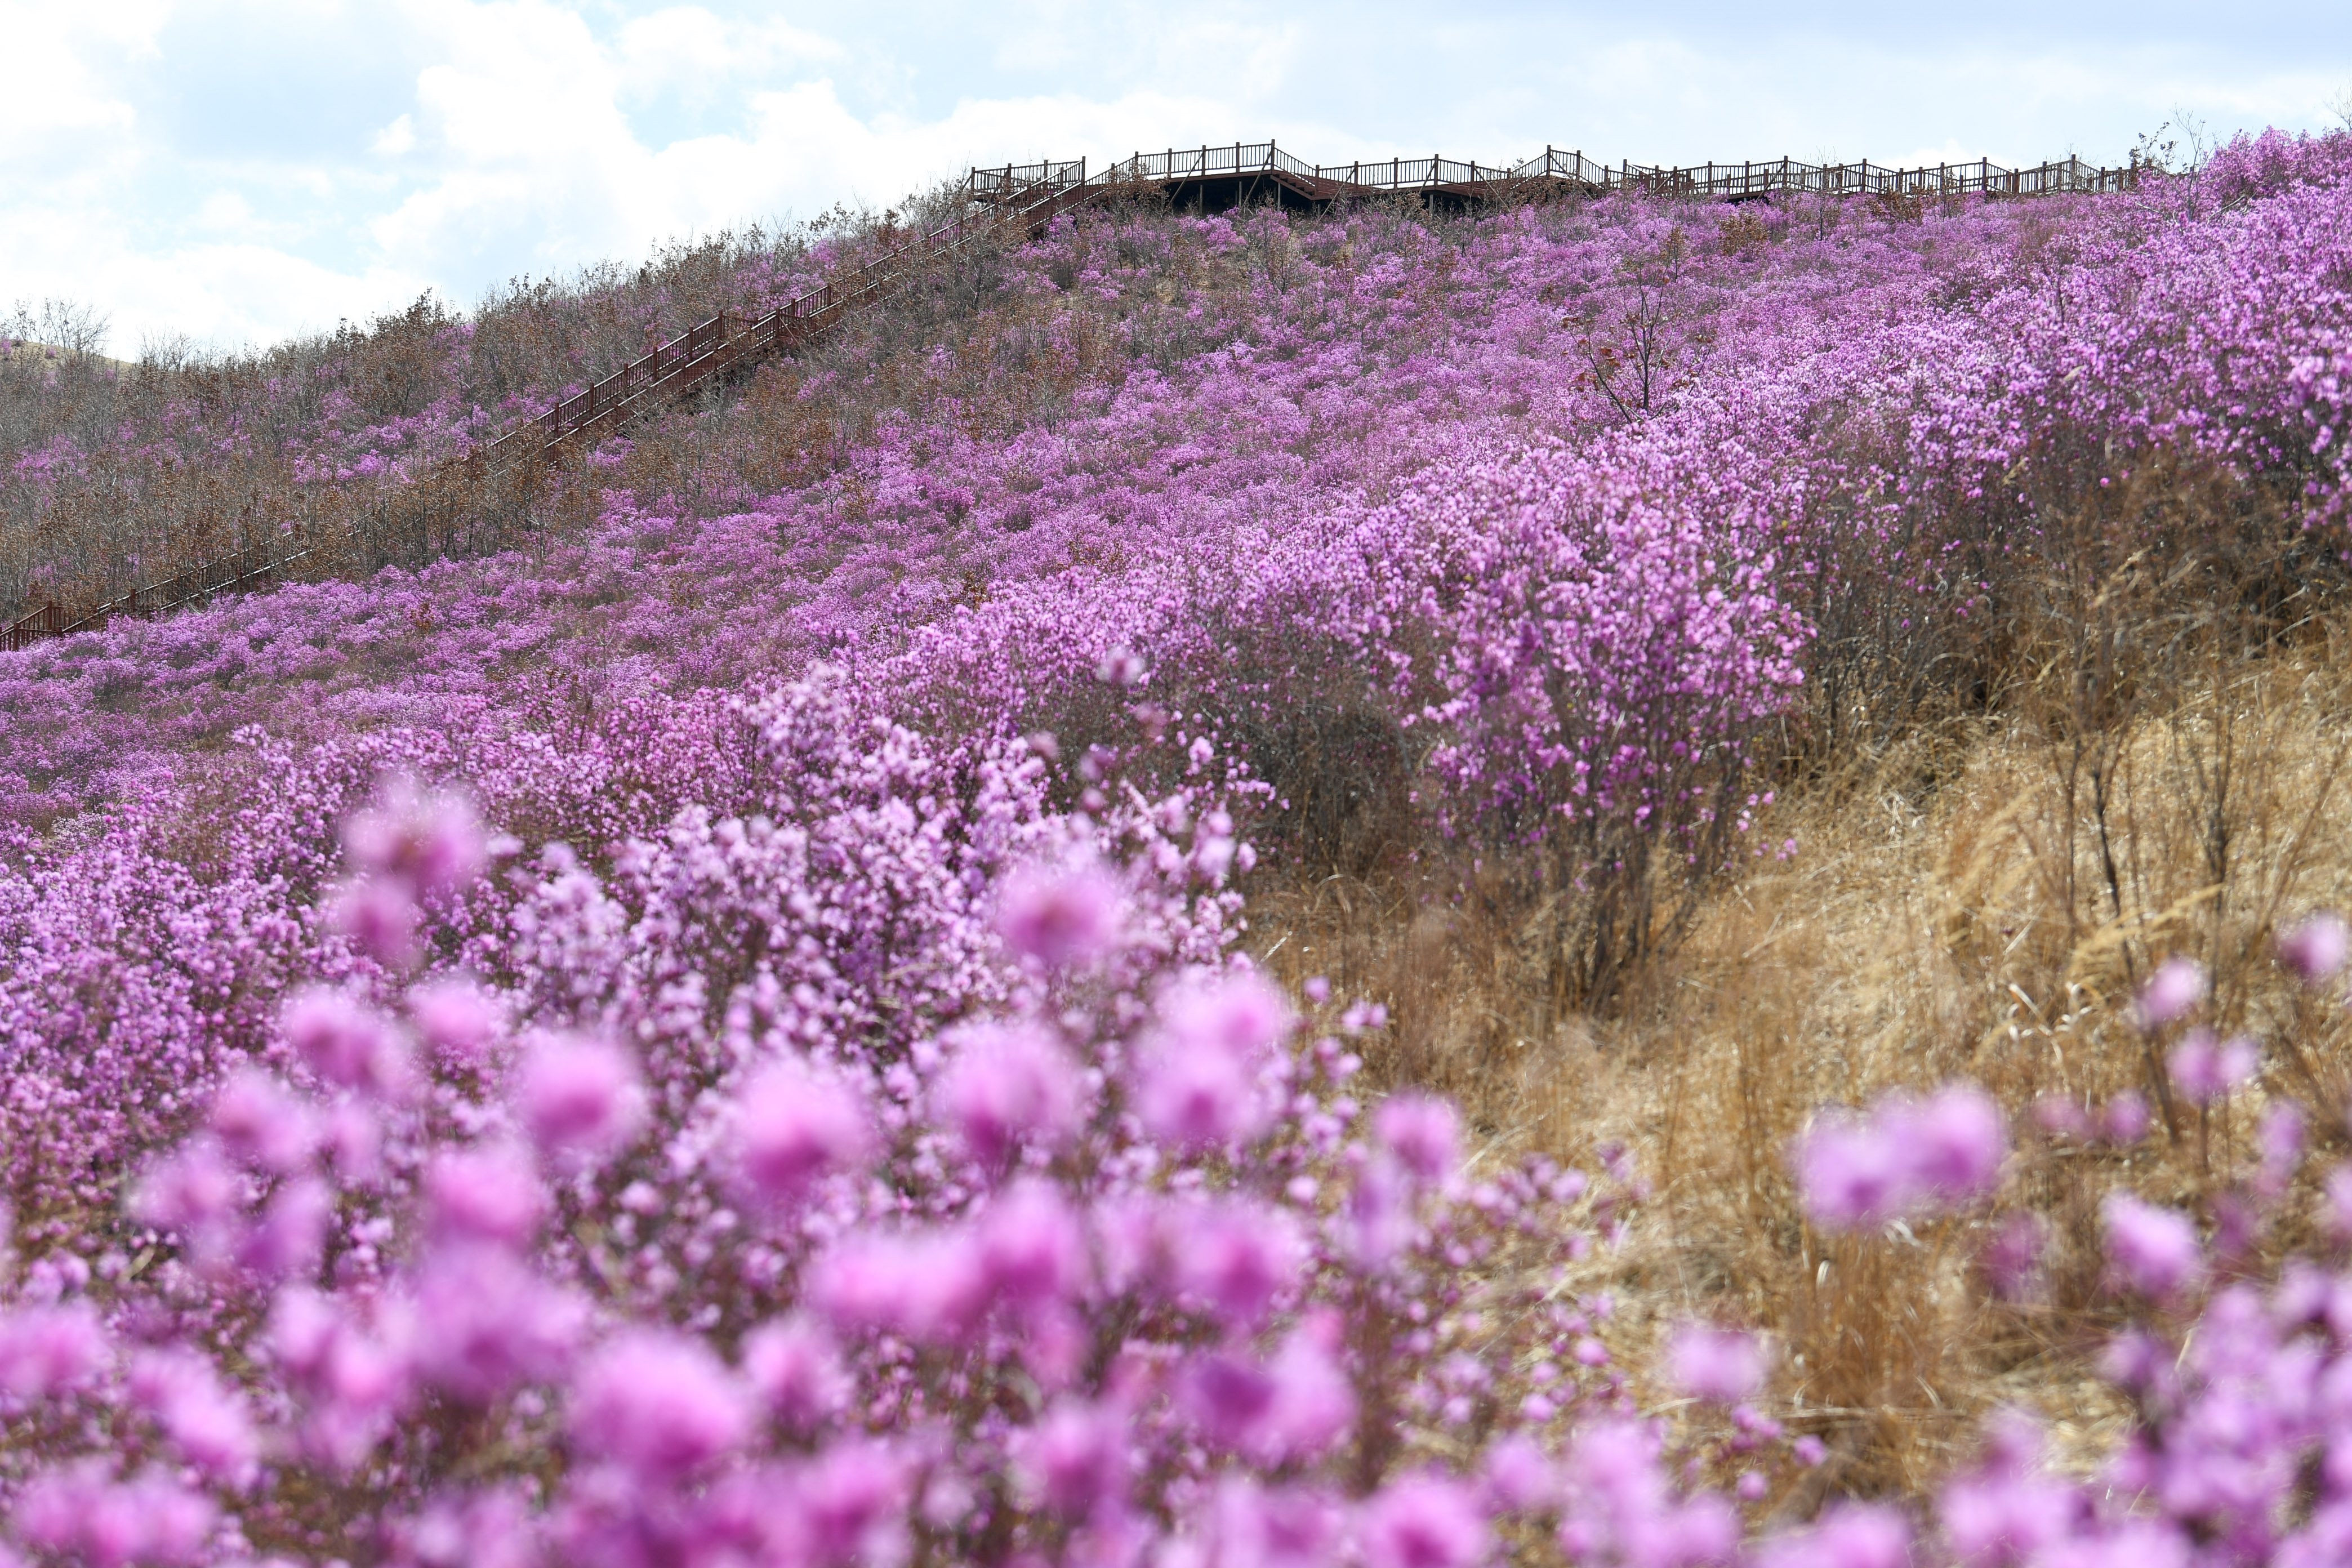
[1554, 166]
[231, 574]
[1015, 199]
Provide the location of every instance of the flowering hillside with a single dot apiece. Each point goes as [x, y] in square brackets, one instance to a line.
[1214, 894]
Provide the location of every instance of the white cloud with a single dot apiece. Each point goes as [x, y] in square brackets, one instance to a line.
[396, 137]
[225, 212]
[59, 121]
[462, 141]
[687, 50]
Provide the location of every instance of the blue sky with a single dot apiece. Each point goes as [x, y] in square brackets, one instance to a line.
[238, 172]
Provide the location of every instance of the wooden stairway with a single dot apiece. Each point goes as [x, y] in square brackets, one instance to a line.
[726, 344]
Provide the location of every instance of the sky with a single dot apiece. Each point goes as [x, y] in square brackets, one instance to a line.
[232, 172]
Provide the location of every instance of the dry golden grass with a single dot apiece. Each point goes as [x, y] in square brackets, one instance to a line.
[1965, 905]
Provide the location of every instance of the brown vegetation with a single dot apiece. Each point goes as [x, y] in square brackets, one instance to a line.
[2147, 755]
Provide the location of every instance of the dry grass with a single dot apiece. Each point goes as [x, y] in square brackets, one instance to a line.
[1964, 905]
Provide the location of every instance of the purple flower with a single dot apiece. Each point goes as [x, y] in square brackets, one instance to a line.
[353, 1381]
[345, 1044]
[381, 917]
[930, 1288]
[1008, 1084]
[1236, 1257]
[2061, 1117]
[432, 842]
[486, 1194]
[1906, 1158]
[190, 1191]
[1063, 918]
[2007, 1515]
[1199, 1099]
[1520, 1477]
[2152, 1250]
[1120, 668]
[1294, 1406]
[262, 1123]
[854, 1495]
[285, 1240]
[1721, 1365]
[1229, 1397]
[1848, 1536]
[659, 1403]
[2281, 1140]
[796, 1125]
[2127, 1117]
[1953, 1143]
[1422, 1522]
[2338, 1209]
[205, 1420]
[2204, 1070]
[793, 1365]
[2013, 1256]
[1851, 1174]
[45, 1350]
[2178, 985]
[2313, 949]
[484, 1320]
[1275, 1527]
[1422, 1133]
[1032, 1249]
[1314, 1402]
[457, 1017]
[1381, 1222]
[579, 1098]
[1201, 1084]
[1078, 1458]
[79, 1511]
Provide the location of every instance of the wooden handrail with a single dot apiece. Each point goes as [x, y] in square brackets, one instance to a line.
[225, 575]
[1014, 197]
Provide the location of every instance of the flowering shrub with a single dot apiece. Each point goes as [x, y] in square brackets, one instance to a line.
[721, 1037]
[889, 1171]
[969, 1199]
[1871, 428]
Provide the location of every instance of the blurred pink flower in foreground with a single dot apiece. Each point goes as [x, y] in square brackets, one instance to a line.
[1062, 917]
[1722, 1365]
[1009, 1084]
[2315, 948]
[1908, 1157]
[1200, 1085]
[2204, 1069]
[580, 1097]
[659, 1403]
[2152, 1250]
[2178, 985]
[795, 1125]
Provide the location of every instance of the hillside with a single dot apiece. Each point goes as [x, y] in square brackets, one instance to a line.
[1374, 887]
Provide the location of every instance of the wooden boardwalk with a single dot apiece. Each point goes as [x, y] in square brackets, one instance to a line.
[1239, 172]
[235, 573]
[1020, 199]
